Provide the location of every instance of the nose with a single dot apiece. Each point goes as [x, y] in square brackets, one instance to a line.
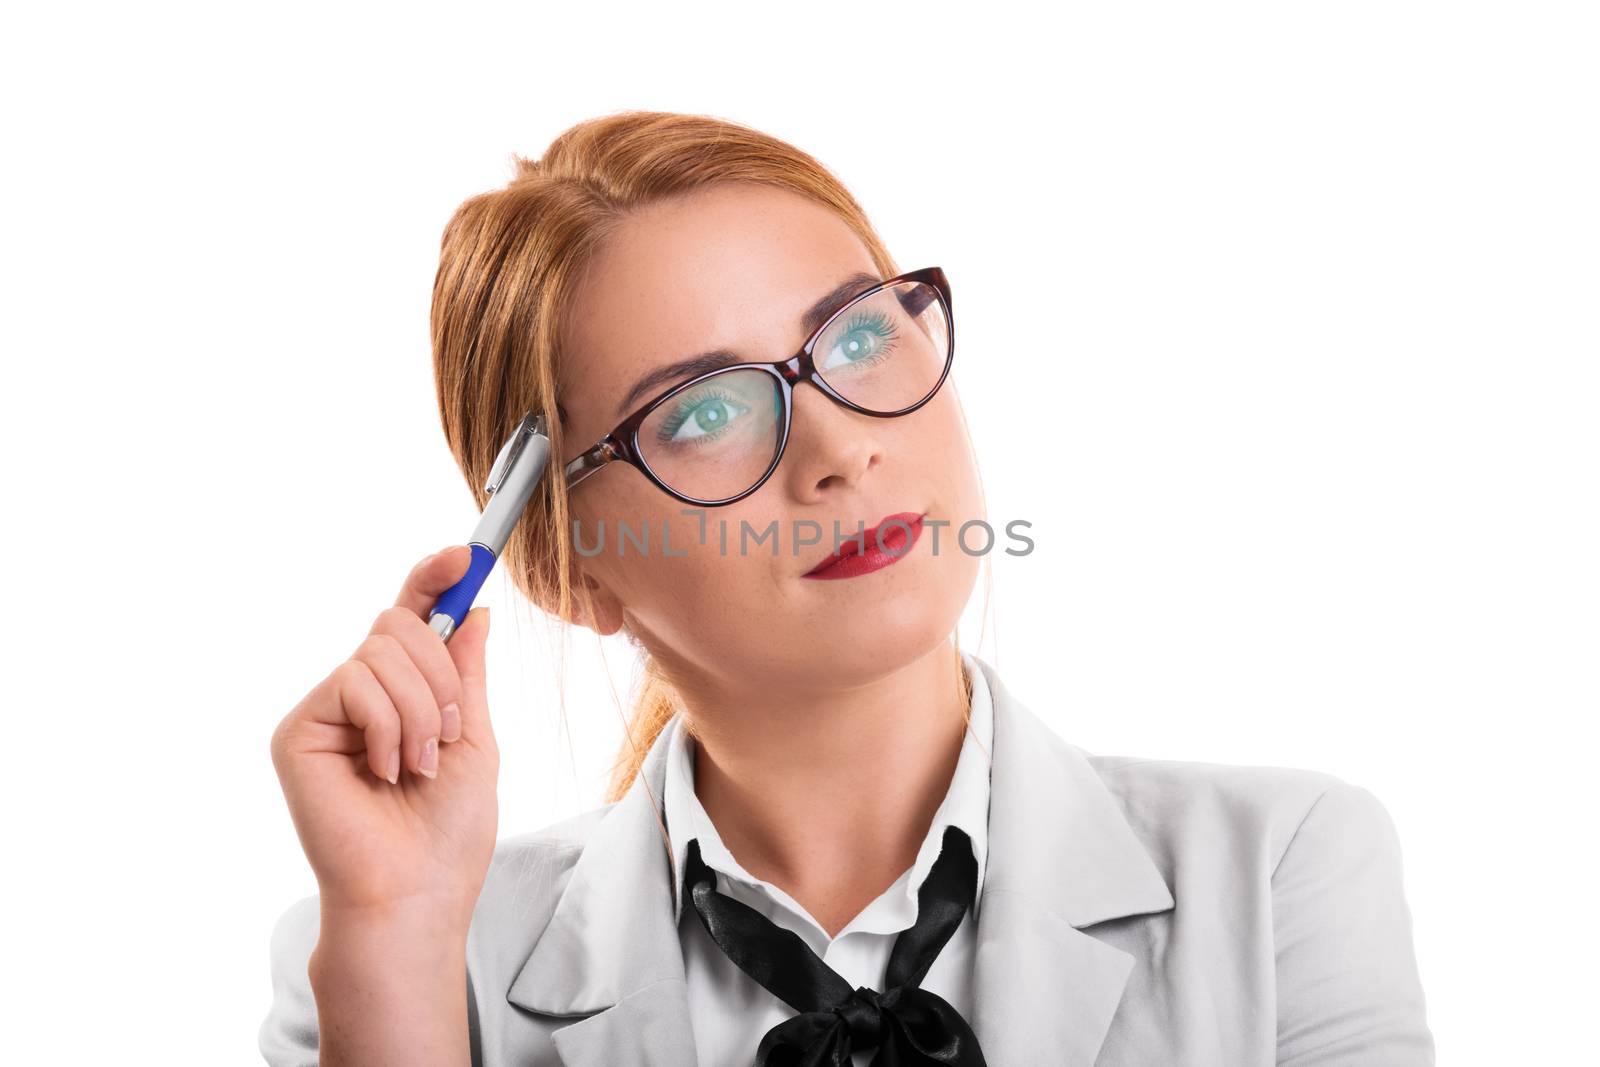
[830, 447]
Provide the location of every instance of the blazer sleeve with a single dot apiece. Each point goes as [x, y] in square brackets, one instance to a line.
[1349, 994]
[288, 1036]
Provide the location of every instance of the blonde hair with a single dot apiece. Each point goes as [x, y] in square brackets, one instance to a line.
[510, 263]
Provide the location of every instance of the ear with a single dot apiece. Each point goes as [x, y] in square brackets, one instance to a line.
[595, 607]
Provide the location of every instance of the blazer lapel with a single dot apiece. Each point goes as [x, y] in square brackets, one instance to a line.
[1061, 857]
[611, 950]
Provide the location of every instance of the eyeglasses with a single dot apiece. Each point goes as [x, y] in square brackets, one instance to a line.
[717, 437]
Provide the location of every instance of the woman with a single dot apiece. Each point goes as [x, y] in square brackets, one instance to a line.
[834, 837]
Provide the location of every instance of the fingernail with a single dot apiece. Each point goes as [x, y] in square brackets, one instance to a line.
[430, 757]
[450, 723]
[394, 766]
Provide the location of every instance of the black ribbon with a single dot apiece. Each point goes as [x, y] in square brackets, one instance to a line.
[908, 1025]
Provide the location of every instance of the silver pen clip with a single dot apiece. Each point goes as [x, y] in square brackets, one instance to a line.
[530, 424]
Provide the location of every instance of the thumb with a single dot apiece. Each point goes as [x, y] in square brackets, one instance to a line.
[466, 647]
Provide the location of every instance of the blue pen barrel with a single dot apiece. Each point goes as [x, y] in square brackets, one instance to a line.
[457, 600]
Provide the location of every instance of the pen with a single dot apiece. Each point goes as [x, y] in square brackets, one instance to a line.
[516, 472]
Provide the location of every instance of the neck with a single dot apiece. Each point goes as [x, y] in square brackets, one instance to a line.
[829, 794]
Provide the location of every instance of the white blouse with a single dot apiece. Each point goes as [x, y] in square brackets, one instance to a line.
[728, 1010]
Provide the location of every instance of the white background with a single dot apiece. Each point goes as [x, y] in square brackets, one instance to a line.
[1315, 486]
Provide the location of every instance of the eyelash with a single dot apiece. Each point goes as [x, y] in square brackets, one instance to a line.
[878, 322]
[676, 420]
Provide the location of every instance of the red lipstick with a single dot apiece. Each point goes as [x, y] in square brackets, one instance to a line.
[885, 543]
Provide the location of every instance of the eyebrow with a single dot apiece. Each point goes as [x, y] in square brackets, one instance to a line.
[811, 321]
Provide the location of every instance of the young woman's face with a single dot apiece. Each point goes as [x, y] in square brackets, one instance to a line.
[734, 267]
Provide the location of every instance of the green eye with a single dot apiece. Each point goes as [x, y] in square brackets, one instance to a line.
[701, 418]
[867, 338]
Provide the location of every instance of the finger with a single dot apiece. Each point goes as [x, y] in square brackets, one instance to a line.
[466, 649]
[431, 577]
[432, 659]
[419, 715]
[366, 706]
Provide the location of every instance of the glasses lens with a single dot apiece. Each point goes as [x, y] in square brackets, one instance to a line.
[887, 351]
[716, 438]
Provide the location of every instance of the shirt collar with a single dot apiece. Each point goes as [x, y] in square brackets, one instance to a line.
[965, 804]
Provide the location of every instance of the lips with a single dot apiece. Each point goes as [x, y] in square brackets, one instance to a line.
[883, 544]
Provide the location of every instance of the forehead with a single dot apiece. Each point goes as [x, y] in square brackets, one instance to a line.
[730, 266]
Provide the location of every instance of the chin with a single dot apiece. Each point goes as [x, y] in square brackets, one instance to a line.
[893, 632]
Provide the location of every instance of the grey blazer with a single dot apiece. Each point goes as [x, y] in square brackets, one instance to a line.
[1135, 912]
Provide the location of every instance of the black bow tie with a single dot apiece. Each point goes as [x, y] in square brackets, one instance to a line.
[909, 1026]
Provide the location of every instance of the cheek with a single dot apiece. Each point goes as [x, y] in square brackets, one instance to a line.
[941, 444]
[694, 574]
[629, 534]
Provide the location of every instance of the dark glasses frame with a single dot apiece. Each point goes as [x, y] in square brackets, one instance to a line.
[622, 443]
